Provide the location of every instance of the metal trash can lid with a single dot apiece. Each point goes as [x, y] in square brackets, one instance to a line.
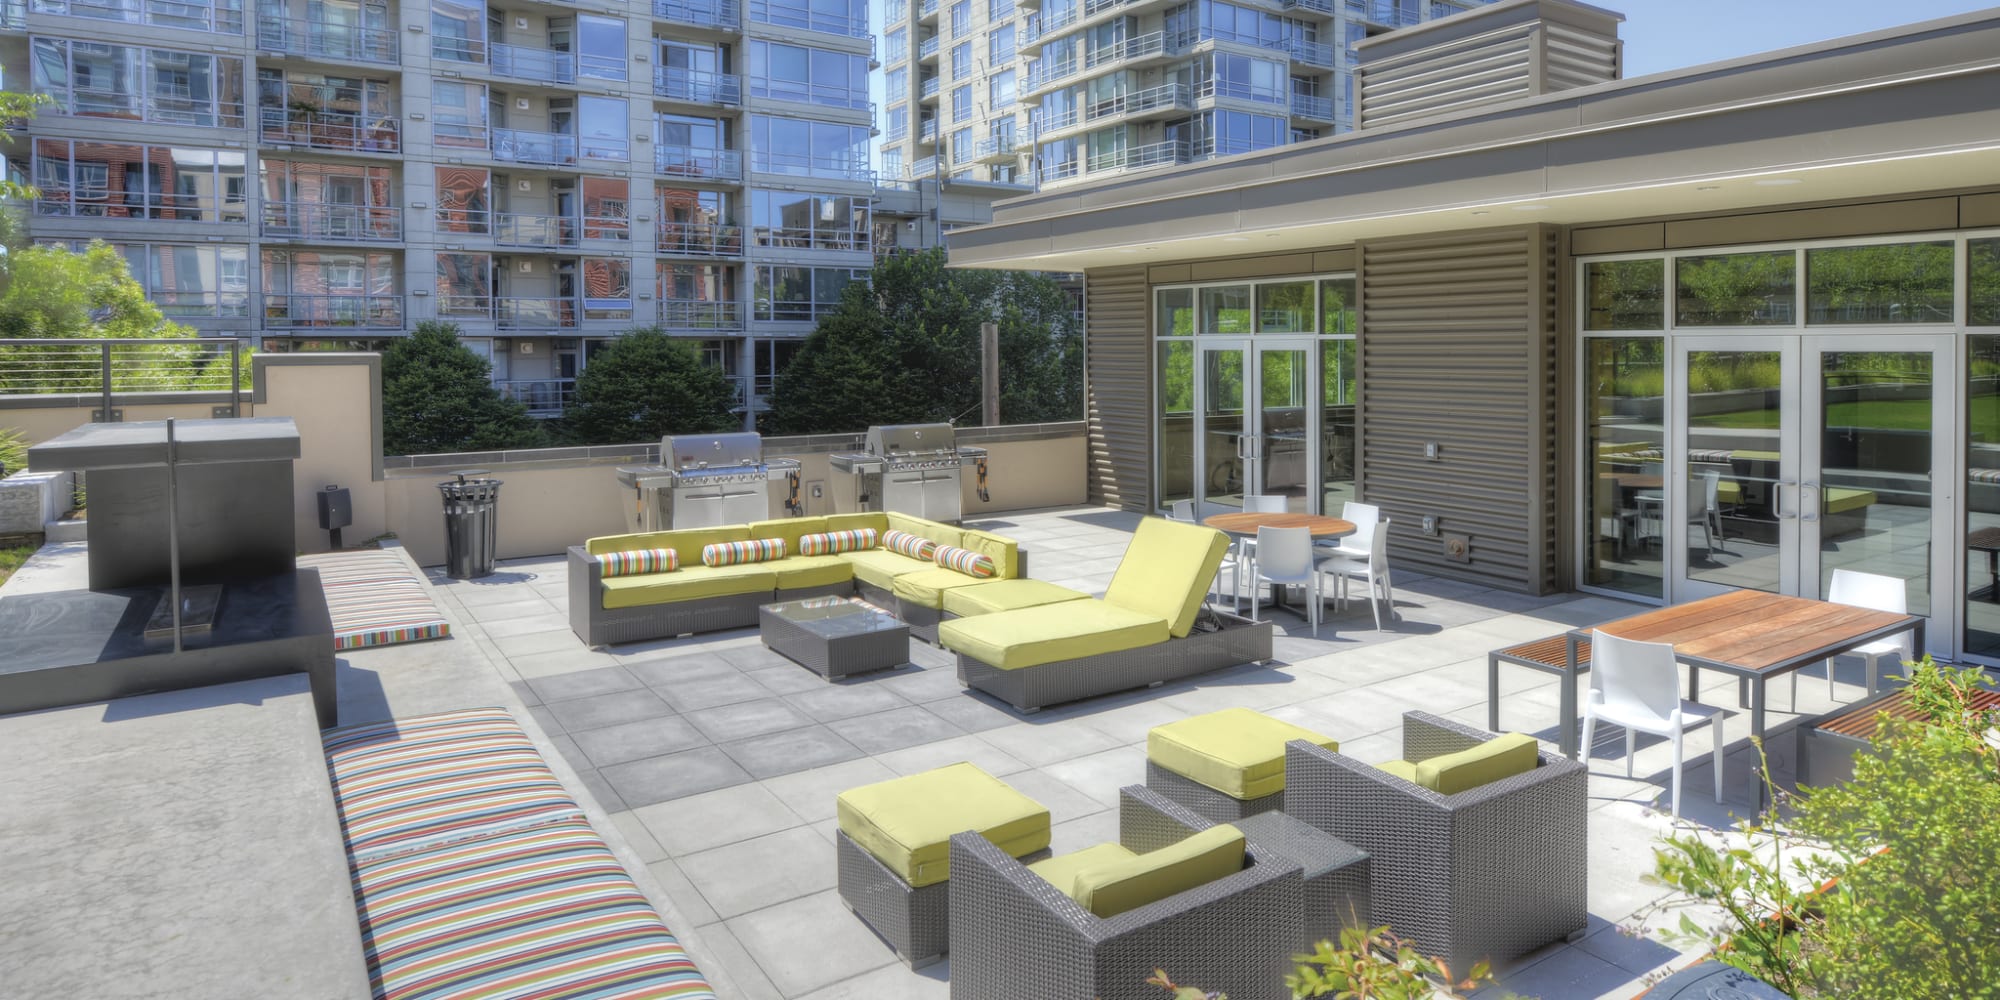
[470, 489]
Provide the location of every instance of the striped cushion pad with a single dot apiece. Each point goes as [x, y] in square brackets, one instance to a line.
[827, 543]
[416, 783]
[966, 561]
[638, 562]
[1983, 475]
[375, 598]
[539, 913]
[914, 546]
[360, 566]
[751, 551]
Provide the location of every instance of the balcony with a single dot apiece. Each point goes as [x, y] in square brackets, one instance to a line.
[927, 50]
[928, 132]
[1142, 47]
[1158, 154]
[284, 311]
[535, 313]
[697, 86]
[164, 108]
[995, 149]
[928, 91]
[1048, 24]
[721, 15]
[924, 168]
[1167, 97]
[518, 229]
[536, 65]
[1319, 109]
[104, 203]
[812, 239]
[837, 167]
[319, 40]
[156, 13]
[698, 161]
[556, 149]
[1045, 122]
[339, 131]
[700, 239]
[331, 223]
[927, 12]
[898, 131]
[1041, 76]
[700, 315]
[1315, 6]
[544, 397]
[792, 14]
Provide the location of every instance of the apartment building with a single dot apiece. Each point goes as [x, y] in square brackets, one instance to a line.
[1050, 92]
[328, 173]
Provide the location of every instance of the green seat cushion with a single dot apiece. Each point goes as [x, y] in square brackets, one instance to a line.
[849, 522]
[1005, 552]
[943, 534]
[1167, 571]
[928, 587]
[1006, 595]
[1236, 751]
[797, 572]
[1728, 493]
[1501, 757]
[1011, 640]
[1060, 871]
[1114, 886]
[687, 542]
[689, 583]
[907, 823]
[1400, 768]
[789, 529]
[881, 567]
[1840, 499]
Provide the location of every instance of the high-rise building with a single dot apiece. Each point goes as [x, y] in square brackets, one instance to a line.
[1054, 91]
[546, 175]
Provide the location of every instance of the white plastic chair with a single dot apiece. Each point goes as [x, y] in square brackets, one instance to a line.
[1183, 510]
[1636, 685]
[1264, 504]
[1709, 516]
[1876, 593]
[1372, 566]
[1285, 557]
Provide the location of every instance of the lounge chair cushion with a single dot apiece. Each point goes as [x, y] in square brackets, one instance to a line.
[638, 562]
[749, 550]
[1501, 757]
[915, 546]
[1030, 637]
[967, 561]
[1841, 499]
[1236, 751]
[1167, 570]
[798, 572]
[943, 534]
[1113, 887]
[688, 542]
[875, 521]
[907, 822]
[788, 528]
[690, 583]
[1006, 595]
[929, 586]
[881, 567]
[1400, 768]
[1060, 871]
[828, 543]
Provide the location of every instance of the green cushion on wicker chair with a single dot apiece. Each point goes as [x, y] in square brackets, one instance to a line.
[1449, 774]
[1117, 885]
[1236, 751]
[907, 823]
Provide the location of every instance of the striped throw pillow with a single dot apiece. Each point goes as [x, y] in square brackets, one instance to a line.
[966, 561]
[753, 551]
[638, 562]
[829, 542]
[914, 546]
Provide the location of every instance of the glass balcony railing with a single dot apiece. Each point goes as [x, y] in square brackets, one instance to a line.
[321, 40]
[308, 220]
[697, 86]
[544, 397]
[928, 131]
[1167, 97]
[805, 238]
[929, 89]
[698, 161]
[157, 13]
[721, 14]
[325, 129]
[927, 49]
[1045, 121]
[700, 314]
[104, 203]
[522, 146]
[1316, 6]
[1314, 108]
[927, 10]
[521, 62]
[519, 229]
[700, 239]
[995, 147]
[835, 167]
[285, 311]
[1158, 154]
[924, 168]
[792, 14]
[1142, 47]
[163, 106]
[535, 313]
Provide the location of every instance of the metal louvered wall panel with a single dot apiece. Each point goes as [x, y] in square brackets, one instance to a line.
[1487, 69]
[1573, 58]
[1458, 348]
[1118, 388]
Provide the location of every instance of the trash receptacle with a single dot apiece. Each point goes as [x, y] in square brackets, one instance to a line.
[469, 522]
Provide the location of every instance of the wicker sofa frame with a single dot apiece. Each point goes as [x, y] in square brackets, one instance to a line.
[1206, 801]
[1237, 641]
[1490, 873]
[598, 625]
[1013, 935]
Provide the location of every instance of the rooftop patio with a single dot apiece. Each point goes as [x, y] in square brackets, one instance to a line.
[719, 760]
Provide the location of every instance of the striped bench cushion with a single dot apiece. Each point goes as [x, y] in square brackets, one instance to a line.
[828, 543]
[418, 783]
[375, 598]
[966, 561]
[752, 550]
[914, 546]
[539, 913]
[361, 566]
[639, 562]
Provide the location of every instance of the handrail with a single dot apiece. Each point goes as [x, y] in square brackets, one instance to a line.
[790, 14]
[701, 314]
[699, 239]
[701, 13]
[307, 37]
[312, 220]
[97, 102]
[103, 203]
[39, 365]
[697, 86]
[285, 310]
[698, 161]
[158, 13]
[322, 129]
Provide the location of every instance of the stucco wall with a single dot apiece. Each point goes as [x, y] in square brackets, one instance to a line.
[40, 418]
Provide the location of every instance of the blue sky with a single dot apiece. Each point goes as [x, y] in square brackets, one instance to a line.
[1669, 34]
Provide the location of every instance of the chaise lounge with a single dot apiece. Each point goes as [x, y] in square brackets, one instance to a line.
[1143, 632]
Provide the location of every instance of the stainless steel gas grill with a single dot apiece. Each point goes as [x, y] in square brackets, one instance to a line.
[704, 480]
[912, 469]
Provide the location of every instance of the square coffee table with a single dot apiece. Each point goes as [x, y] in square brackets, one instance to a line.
[1336, 872]
[835, 636]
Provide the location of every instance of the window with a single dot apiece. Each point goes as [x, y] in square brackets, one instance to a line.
[1000, 90]
[961, 18]
[1897, 283]
[899, 121]
[961, 145]
[602, 132]
[186, 281]
[1626, 295]
[463, 200]
[90, 79]
[1982, 273]
[896, 83]
[800, 293]
[601, 45]
[465, 285]
[1000, 45]
[1744, 289]
[130, 181]
[1285, 307]
[607, 288]
[961, 60]
[999, 10]
[458, 114]
[809, 148]
[1622, 376]
[840, 17]
[817, 76]
[961, 104]
[188, 15]
[1226, 309]
[897, 44]
[892, 163]
[458, 31]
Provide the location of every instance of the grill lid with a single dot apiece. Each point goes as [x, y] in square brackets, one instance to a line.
[898, 440]
[695, 454]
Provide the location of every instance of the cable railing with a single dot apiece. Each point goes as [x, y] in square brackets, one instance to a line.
[697, 86]
[103, 203]
[700, 314]
[792, 14]
[535, 313]
[698, 161]
[700, 239]
[323, 40]
[285, 311]
[166, 109]
[544, 397]
[105, 368]
[724, 14]
[158, 13]
[334, 223]
[327, 129]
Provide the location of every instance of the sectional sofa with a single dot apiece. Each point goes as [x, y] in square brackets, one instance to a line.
[608, 603]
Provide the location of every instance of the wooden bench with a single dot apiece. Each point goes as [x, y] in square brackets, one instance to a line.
[1827, 745]
[1550, 656]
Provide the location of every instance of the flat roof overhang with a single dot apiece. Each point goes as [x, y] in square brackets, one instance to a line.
[1905, 111]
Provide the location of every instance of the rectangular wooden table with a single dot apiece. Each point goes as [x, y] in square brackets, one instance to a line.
[1747, 634]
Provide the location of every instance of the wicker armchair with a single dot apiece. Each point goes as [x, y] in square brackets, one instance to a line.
[1489, 873]
[1013, 935]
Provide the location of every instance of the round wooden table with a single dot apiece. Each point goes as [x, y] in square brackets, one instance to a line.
[1242, 523]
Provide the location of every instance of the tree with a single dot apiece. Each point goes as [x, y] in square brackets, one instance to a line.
[645, 386]
[438, 396]
[904, 348]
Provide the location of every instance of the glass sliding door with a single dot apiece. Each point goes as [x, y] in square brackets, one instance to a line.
[1226, 435]
[1339, 382]
[1736, 481]
[1625, 434]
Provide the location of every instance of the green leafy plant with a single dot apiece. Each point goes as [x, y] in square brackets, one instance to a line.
[1159, 978]
[646, 385]
[13, 451]
[438, 396]
[1376, 965]
[1884, 887]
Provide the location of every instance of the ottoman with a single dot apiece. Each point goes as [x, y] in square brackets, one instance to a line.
[1006, 595]
[894, 847]
[1224, 765]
